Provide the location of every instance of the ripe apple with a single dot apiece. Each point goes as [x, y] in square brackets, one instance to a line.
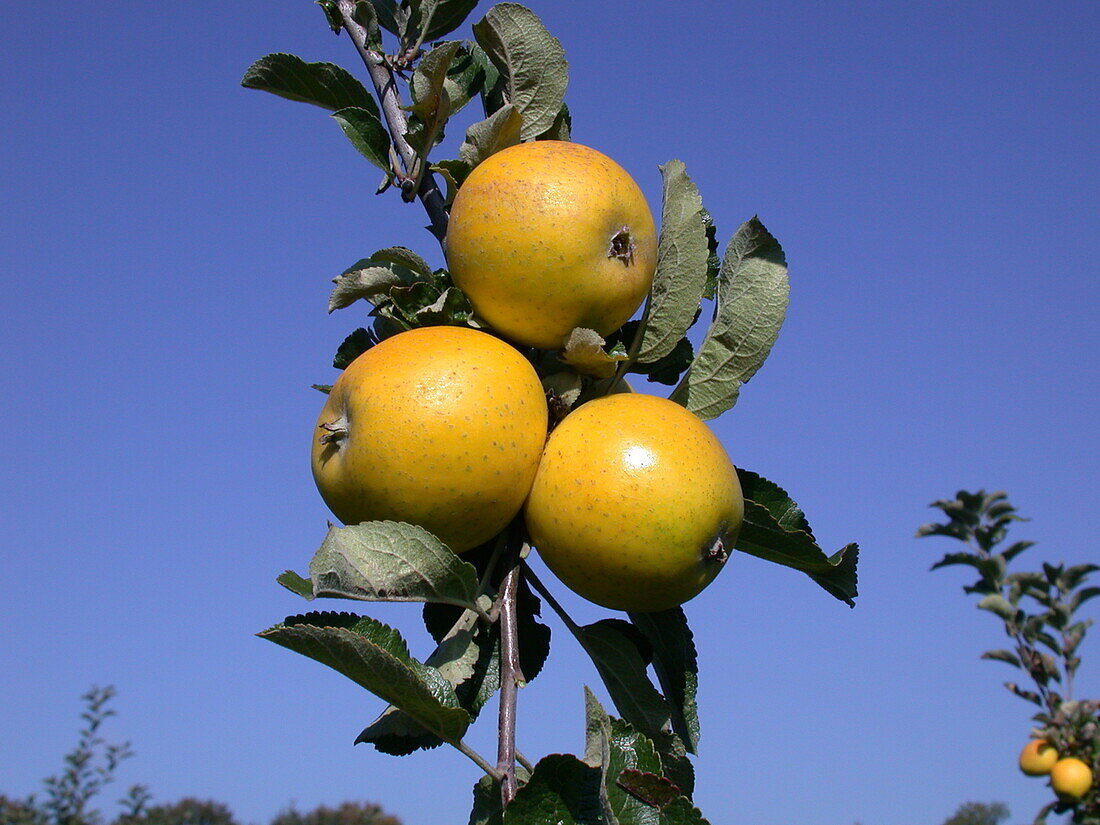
[1070, 778]
[548, 236]
[635, 505]
[1037, 757]
[438, 426]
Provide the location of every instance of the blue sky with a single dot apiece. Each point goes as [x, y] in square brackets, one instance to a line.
[166, 244]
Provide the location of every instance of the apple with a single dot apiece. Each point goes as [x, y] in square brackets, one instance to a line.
[438, 426]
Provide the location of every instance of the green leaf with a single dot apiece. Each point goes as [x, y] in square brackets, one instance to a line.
[621, 751]
[452, 307]
[630, 750]
[753, 291]
[296, 584]
[531, 62]
[681, 812]
[487, 808]
[998, 604]
[681, 274]
[561, 128]
[615, 649]
[584, 351]
[409, 300]
[395, 733]
[404, 257]
[615, 746]
[373, 278]
[677, 669]
[668, 370]
[465, 78]
[953, 531]
[562, 790]
[367, 135]
[391, 15]
[456, 657]
[1083, 595]
[332, 14]
[714, 263]
[597, 731]
[1076, 575]
[675, 764]
[657, 792]
[534, 636]
[386, 324]
[353, 346]
[1016, 548]
[454, 173]
[787, 514]
[475, 691]
[534, 643]
[442, 17]
[364, 14]
[363, 280]
[487, 803]
[322, 84]
[431, 99]
[968, 559]
[498, 131]
[770, 532]
[492, 83]
[994, 568]
[651, 788]
[597, 746]
[375, 657]
[391, 561]
[1003, 656]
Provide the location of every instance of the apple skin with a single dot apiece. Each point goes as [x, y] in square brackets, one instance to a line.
[1070, 778]
[635, 505]
[438, 426]
[1038, 757]
[548, 236]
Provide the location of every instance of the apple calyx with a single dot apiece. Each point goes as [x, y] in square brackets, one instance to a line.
[335, 430]
[716, 553]
[622, 246]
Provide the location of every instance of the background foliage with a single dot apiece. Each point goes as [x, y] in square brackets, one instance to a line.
[70, 798]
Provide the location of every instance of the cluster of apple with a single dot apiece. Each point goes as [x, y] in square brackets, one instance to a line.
[630, 500]
[1070, 777]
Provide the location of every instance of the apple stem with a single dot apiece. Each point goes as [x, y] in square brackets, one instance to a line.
[635, 347]
[510, 675]
[555, 605]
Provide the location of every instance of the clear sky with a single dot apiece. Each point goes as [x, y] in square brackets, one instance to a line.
[166, 244]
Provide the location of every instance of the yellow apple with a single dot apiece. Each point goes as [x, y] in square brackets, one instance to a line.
[438, 426]
[548, 236]
[1070, 778]
[1038, 757]
[635, 505]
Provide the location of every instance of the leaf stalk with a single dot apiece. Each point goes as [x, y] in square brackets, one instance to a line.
[478, 759]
